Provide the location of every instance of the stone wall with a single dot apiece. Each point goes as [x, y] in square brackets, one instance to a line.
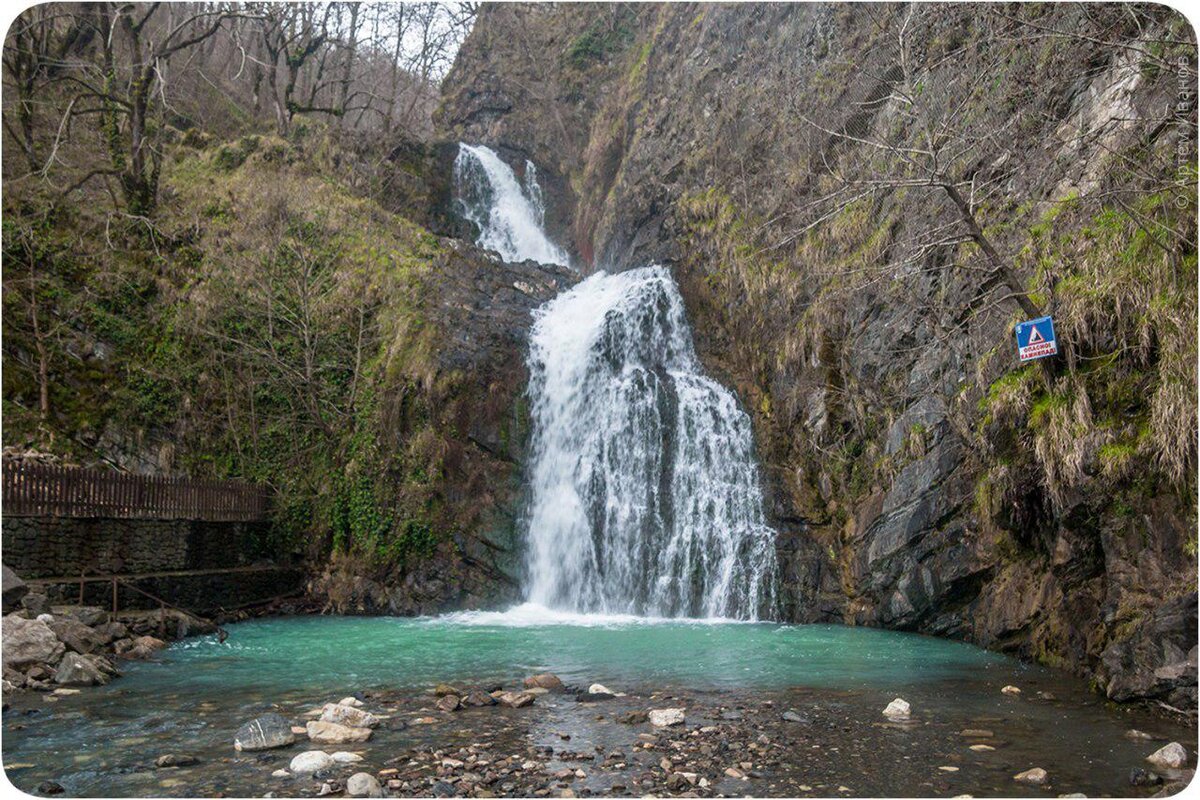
[60, 547]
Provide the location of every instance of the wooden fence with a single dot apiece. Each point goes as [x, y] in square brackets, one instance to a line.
[42, 490]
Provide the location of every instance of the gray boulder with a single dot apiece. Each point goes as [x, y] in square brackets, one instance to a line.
[75, 635]
[12, 589]
[29, 641]
[75, 670]
[264, 733]
[88, 615]
[36, 603]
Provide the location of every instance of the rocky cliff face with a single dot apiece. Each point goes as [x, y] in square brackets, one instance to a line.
[779, 159]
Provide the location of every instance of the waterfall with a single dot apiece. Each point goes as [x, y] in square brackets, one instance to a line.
[509, 216]
[644, 491]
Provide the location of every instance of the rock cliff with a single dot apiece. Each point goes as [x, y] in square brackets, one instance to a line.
[858, 203]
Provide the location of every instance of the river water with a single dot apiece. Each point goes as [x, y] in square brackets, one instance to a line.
[104, 741]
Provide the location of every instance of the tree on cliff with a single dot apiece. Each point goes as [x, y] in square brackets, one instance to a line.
[921, 117]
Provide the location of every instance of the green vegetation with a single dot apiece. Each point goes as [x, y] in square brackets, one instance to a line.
[263, 326]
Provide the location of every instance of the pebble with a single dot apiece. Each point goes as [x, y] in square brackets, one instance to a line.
[666, 717]
[1011, 690]
[363, 784]
[982, 748]
[311, 761]
[281, 773]
[333, 733]
[1036, 776]
[948, 769]
[1171, 756]
[350, 701]
[976, 733]
[897, 709]
[342, 757]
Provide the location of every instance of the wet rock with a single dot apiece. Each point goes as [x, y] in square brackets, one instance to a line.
[1034, 777]
[176, 760]
[479, 699]
[49, 787]
[264, 733]
[665, 717]
[29, 641]
[792, 716]
[448, 702]
[311, 761]
[281, 773]
[443, 689]
[976, 733]
[1172, 756]
[545, 680]
[143, 647]
[982, 748]
[350, 716]
[515, 699]
[593, 697]
[1136, 735]
[1010, 690]
[350, 701]
[898, 709]
[633, 717]
[75, 670]
[342, 757]
[442, 789]
[600, 688]
[363, 784]
[1143, 777]
[734, 772]
[323, 732]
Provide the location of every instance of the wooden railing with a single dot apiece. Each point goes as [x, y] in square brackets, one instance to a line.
[44, 490]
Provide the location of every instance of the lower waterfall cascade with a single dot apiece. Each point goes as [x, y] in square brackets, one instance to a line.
[644, 492]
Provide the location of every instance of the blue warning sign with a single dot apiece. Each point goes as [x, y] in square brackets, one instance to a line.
[1035, 339]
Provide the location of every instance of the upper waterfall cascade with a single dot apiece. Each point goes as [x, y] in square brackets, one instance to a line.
[510, 216]
[644, 491]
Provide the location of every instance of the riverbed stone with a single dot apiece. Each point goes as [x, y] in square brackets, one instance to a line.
[350, 716]
[311, 761]
[479, 699]
[87, 615]
[363, 784]
[75, 670]
[443, 689]
[350, 701]
[635, 717]
[515, 699]
[176, 760]
[29, 641]
[545, 680]
[343, 757]
[1034, 777]
[332, 733]
[897, 709]
[1171, 756]
[1010, 690]
[448, 702]
[264, 733]
[666, 717]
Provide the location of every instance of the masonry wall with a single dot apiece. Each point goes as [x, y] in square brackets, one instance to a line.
[61, 547]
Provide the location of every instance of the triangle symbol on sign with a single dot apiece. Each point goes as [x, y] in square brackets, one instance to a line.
[1035, 337]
